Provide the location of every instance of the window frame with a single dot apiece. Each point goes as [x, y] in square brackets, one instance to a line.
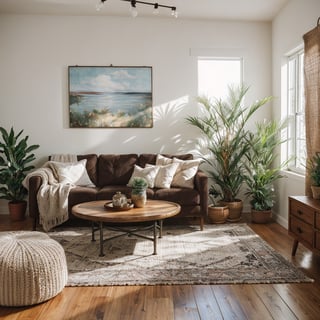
[295, 111]
[221, 58]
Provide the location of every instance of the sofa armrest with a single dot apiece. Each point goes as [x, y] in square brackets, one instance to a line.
[33, 188]
[201, 184]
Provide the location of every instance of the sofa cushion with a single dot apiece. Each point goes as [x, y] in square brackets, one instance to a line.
[81, 194]
[150, 158]
[115, 169]
[183, 196]
[106, 193]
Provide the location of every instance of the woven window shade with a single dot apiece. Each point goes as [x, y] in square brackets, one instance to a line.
[312, 95]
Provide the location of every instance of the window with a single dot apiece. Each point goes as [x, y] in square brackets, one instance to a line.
[296, 114]
[216, 74]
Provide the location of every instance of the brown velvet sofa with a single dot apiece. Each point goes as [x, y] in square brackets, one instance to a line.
[111, 172]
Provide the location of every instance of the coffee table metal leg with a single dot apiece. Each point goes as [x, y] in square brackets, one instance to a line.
[155, 227]
[101, 239]
[92, 231]
[160, 228]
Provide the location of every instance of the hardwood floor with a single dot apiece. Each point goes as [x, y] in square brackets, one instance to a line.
[274, 301]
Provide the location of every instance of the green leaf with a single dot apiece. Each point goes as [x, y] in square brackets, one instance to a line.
[14, 157]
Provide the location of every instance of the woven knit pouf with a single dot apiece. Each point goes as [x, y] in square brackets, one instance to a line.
[33, 268]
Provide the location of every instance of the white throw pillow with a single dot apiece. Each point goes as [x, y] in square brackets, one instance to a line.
[161, 160]
[74, 173]
[185, 173]
[165, 175]
[184, 176]
[149, 174]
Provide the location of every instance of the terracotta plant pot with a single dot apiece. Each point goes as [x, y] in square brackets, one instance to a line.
[235, 210]
[315, 192]
[17, 210]
[261, 216]
[218, 214]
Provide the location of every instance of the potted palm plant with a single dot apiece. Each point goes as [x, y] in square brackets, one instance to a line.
[15, 156]
[223, 127]
[262, 170]
[314, 172]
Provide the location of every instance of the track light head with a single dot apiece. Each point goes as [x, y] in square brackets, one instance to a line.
[174, 12]
[134, 11]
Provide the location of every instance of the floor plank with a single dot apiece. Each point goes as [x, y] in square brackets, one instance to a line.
[265, 301]
[274, 303]
[206, 301]
[251, 303]
[229, 304]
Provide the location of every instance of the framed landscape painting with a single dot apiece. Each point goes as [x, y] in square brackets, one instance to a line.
[110, 97]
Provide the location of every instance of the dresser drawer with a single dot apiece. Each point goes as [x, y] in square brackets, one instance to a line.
[318, 221]
[302, 230]
[302, 211]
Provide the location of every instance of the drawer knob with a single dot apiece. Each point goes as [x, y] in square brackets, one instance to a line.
[300, 212]
[299, 230]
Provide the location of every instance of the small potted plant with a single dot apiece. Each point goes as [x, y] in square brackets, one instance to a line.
[314, 172]
[138, 193]
[15, 156]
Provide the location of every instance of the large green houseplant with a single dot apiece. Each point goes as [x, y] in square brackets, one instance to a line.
[262, 169]
[15, 158]
[223, 126]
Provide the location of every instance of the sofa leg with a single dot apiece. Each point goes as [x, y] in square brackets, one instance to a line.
[34, 226]
[201, 223]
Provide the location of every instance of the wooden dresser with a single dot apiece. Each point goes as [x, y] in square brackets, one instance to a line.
[304, 222]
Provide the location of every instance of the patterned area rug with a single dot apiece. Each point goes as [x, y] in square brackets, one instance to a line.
[221, 254]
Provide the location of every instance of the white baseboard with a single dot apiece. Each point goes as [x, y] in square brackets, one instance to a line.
[282, 221]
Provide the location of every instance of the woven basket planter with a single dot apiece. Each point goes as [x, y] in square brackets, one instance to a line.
[218, 214]
[235, 210]
[261, 216]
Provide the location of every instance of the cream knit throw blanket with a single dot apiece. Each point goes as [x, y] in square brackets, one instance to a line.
[52, 197]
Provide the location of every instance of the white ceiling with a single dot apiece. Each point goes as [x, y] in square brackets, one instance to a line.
[252, 10]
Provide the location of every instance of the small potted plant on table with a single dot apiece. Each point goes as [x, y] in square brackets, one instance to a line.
[138, 193]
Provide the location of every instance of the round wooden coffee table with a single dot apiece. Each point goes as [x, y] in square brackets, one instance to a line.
[154, 211]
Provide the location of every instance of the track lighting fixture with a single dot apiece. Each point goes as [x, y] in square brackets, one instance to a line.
[156, 9]
[133, 9]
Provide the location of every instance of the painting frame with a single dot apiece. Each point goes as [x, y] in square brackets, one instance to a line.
[110, 96]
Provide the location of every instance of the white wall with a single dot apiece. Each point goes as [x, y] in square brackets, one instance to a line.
[37, 50]
[294, 20]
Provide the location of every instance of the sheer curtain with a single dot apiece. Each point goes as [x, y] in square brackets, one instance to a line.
[312, 94]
